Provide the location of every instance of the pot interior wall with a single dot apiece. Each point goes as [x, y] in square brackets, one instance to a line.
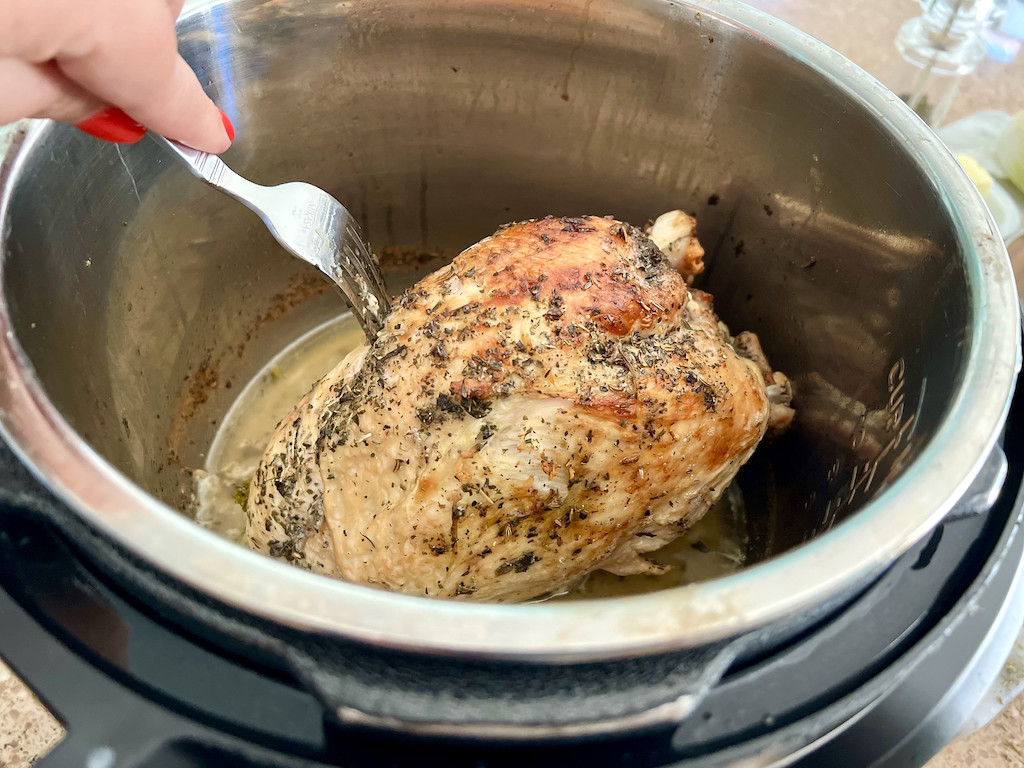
[140, 294]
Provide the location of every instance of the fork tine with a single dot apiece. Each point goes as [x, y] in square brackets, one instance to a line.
[366, 265]
[366, 268]
[310, 224]
[367, 259]
[370, 320]
[352, 270]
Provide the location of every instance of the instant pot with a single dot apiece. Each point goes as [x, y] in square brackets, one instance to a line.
[136, 303]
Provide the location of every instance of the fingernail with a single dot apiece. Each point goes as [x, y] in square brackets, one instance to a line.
[228, 127]
[112, 125]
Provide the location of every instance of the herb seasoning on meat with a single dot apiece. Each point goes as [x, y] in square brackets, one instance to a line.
[555, 402]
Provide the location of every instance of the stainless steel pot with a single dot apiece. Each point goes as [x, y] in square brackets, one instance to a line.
[837, 226]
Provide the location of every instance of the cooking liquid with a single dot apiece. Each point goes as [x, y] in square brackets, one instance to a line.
[246, 429]
[716, 545]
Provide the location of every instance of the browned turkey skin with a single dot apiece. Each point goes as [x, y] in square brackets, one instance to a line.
[555, 401]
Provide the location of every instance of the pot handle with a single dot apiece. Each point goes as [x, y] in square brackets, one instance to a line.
[20, 493]
[476, 700]
[983, 492]
[671, 713]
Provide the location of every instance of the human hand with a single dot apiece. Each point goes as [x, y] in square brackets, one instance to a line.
[75, 60]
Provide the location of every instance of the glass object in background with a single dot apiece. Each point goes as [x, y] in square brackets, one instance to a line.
[1003, 43]
[938, 48]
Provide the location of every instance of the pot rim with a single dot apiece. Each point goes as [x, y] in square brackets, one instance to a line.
[607, 628]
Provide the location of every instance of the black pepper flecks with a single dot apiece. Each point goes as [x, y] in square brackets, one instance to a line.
[617, 339]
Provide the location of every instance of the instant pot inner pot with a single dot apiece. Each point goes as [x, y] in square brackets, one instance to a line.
[146, 300]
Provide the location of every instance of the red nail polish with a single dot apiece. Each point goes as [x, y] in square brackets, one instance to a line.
[112, 125]
[227, 125]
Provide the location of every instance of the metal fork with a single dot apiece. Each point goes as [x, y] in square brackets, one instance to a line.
[311, 225]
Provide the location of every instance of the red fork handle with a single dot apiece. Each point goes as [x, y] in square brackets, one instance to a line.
[114, 125]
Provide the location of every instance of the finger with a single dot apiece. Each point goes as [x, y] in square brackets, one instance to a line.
[125, 53]
[40, 90]
[157, 87]
[175, 7]
[177, 108]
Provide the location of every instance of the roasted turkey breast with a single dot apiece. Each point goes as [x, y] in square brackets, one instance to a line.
[555, 401]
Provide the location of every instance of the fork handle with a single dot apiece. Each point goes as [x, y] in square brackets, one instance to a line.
[212, 170]
[203, 165]
[113, 125]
